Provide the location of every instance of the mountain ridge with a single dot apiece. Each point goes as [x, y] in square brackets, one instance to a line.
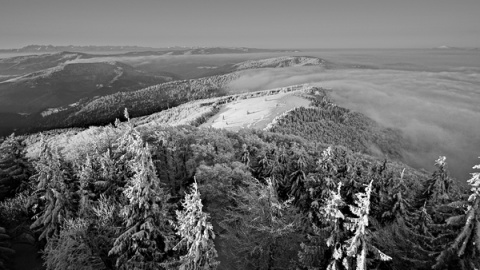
[91, 110]
[133, 49]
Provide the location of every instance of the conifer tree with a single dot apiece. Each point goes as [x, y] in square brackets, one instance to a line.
[324, 214]
[321, 184]
[360, 244]
[324, 248]
[399, 202]
[261, 231]
[70, 248]
[406, 234]
[434, 227]
[112, 174]
[55, 194]
[336, 218]
[297, 178]
[464, 252]
[439, 187]
[14, 168]
[196, 234]
[123, 151]
[148, 235]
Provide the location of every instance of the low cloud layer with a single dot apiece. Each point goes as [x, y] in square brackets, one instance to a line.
[167, 59]
[438, 112]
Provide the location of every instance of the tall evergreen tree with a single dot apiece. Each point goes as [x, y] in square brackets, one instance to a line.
[360, 245]
[70, 248]
[439, 187]
[14, 168]
[464, 251]
[261, 231]
[399, 201]
[148, 235]
[55, 193]
[324, 248]
[196, 234]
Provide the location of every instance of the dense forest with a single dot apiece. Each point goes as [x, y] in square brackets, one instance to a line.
[188, 198]
[326, 122]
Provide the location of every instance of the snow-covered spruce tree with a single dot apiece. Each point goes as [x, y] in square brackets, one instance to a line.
[148, 235]
[322, 184]
[405, 234]
[336, 218]
[324, 248]
[297, 178]
[196, 234]
[14, 168]
[112, 174]
[398, 201]
[96, 176]
[464, 252]
[323, 188]
[116, 165]
[360, 245]
[55, 195]
[438, 200]
[439, 187]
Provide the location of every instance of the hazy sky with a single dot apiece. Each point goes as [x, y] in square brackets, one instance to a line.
[250, 23]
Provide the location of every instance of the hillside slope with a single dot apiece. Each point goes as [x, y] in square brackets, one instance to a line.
[105, 109]
[21, 65]
[275, 62]
[67, 83]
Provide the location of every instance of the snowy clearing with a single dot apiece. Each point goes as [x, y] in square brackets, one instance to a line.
[256, 112]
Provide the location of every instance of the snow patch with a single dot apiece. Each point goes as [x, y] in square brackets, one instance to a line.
[119, 72]
[51, 111]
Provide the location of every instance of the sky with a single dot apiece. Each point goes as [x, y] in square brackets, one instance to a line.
[247, 23]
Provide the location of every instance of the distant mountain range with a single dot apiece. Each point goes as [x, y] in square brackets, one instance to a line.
[135, 49]
[52, 48]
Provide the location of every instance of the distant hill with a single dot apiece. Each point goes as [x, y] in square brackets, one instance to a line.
[67, 83]
[21, 65]
[276, 62]
[31, 63]
[286, 61]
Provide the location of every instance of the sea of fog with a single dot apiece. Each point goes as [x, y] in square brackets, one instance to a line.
[432, 96]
